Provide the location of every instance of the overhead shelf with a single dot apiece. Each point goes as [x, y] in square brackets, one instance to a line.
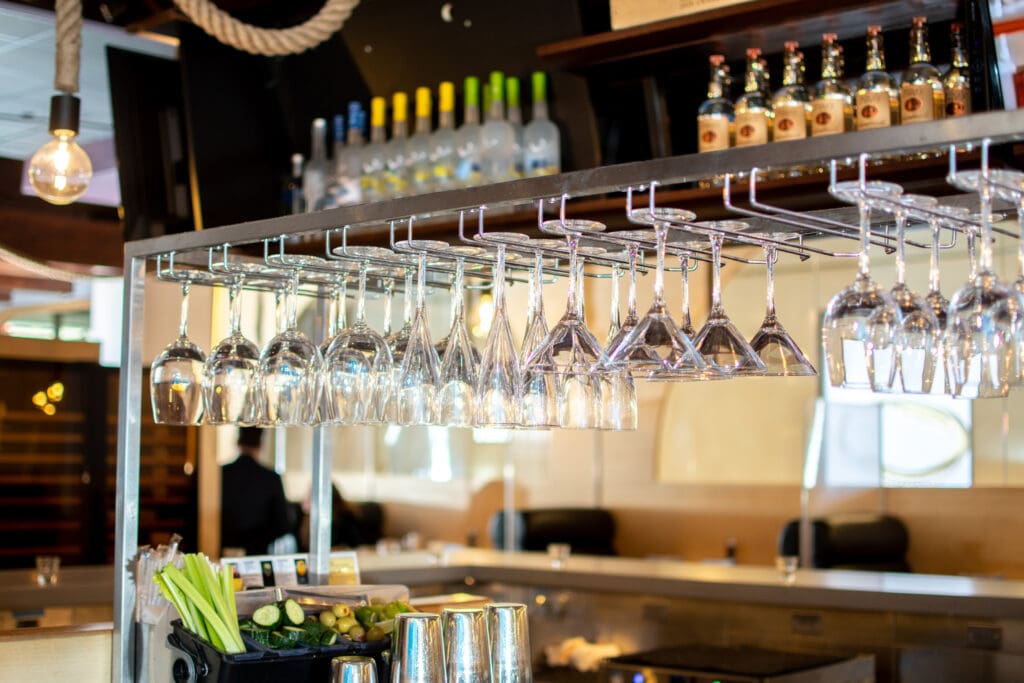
[732, 29]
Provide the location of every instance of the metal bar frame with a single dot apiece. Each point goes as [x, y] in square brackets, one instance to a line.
[1000, 127]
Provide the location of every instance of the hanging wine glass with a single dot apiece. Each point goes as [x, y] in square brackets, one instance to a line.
[570, 350]
[685, 320]
[359, 367]
[719, 340]
[918, 331]
[419, 380]
[614, 320]
[632, 317]
[455, 251]
[231, 374]
[458, 374]
[176, 374]
[773, 345]
[985, 318]
[540, 390]
[500, 382]
[657, 347]
[860, 324]
[290, 368]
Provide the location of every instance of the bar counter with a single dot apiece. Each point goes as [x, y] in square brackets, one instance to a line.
[860, 590]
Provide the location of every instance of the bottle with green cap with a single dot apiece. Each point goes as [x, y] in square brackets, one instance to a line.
[373, 159]
[515, 119]
[497, 139]
[442, 142]
[396, 153]
[542, 146]
[467, 137]
[421, 174]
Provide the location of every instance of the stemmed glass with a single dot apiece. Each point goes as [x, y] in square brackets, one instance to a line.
[231, 374]
[570, 350]
[718, 340]
[686, 322]
[176, 374]
[657, 347]
[419, 380]
[985, 317]
[918, 332]
[458, 374]
[773, 345]
[859, 329]
[540, 390]
[359, 367]
[290, 368]
[499, 390]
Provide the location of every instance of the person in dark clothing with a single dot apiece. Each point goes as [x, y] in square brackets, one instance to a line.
[254, 510]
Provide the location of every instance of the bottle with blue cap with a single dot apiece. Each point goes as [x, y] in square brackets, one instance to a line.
[347, 161]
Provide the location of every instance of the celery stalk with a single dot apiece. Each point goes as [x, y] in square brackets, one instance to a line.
[230, 638]
[227, 584]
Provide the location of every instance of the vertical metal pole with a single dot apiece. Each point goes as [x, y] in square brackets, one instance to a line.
[320, 497]
[129, 422]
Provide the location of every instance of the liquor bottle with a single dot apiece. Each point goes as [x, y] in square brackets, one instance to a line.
[497, 139]
[791, 103]
[831, 103]
[716, 114]
[467, 137]
[333, 191]
[877, 98]
[396, 152]
[296, 200]
[348, 159]
[420, 171]
[442, 142]
[956, 82]
[515, 119]
[373, 159]
[542, 144]
[314, 176]
[921, 94]
[753, 109]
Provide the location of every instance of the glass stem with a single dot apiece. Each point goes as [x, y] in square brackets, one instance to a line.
[332, 314]
[183, 327]
[614, 321]
[901, 248]
[933, 262]
[530, 305]
[293, 301]
[459, 292]
[538, 292]
[972, 252]
[631, 314]
[581, 309]
[864, 260]
[499, 281]
[684, 269]
[716, 281]
[342, 319]
[570, 303]
[407, 300]
[659, 271]
[361, 300]
[279, 317]
[389, 290]
[235, 306]
[1020, 242]
[770, 255]
[986, 228]
[421, 284]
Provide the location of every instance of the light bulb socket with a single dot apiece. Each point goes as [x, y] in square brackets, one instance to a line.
[64, 109]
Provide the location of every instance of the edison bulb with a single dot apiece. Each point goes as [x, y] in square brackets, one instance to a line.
[61, 170]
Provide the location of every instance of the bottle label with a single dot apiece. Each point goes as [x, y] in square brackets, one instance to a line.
[751, 128]
[790, 122]
[828, 116]
[958, 101]
[916, 102]
[873, 110]
[712, 133]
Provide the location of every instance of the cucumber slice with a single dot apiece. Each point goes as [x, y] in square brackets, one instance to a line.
[267, 616]
[329, 637]
[293, 612]
[280, 641]
[293, 632]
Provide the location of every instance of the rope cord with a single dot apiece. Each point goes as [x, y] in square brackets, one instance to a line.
[264, 41]
[38, 268]
[69, 45]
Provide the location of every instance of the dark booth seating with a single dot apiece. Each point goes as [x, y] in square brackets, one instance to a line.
[853, 541]
[588, 531]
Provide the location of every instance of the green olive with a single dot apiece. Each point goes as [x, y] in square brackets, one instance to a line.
[357, 632]
[376, 633]
[328, 619]
[341, 610]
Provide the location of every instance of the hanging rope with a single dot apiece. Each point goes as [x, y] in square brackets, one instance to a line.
[69, 45]
[264, 41]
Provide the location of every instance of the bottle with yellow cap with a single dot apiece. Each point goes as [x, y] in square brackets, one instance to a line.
[467, 137]
[421, 174]
[373, 158]
[396, 153]
[542, 153]
[442, 142]
[497, 139]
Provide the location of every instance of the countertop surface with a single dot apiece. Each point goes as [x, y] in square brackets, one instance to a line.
[873, 591]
